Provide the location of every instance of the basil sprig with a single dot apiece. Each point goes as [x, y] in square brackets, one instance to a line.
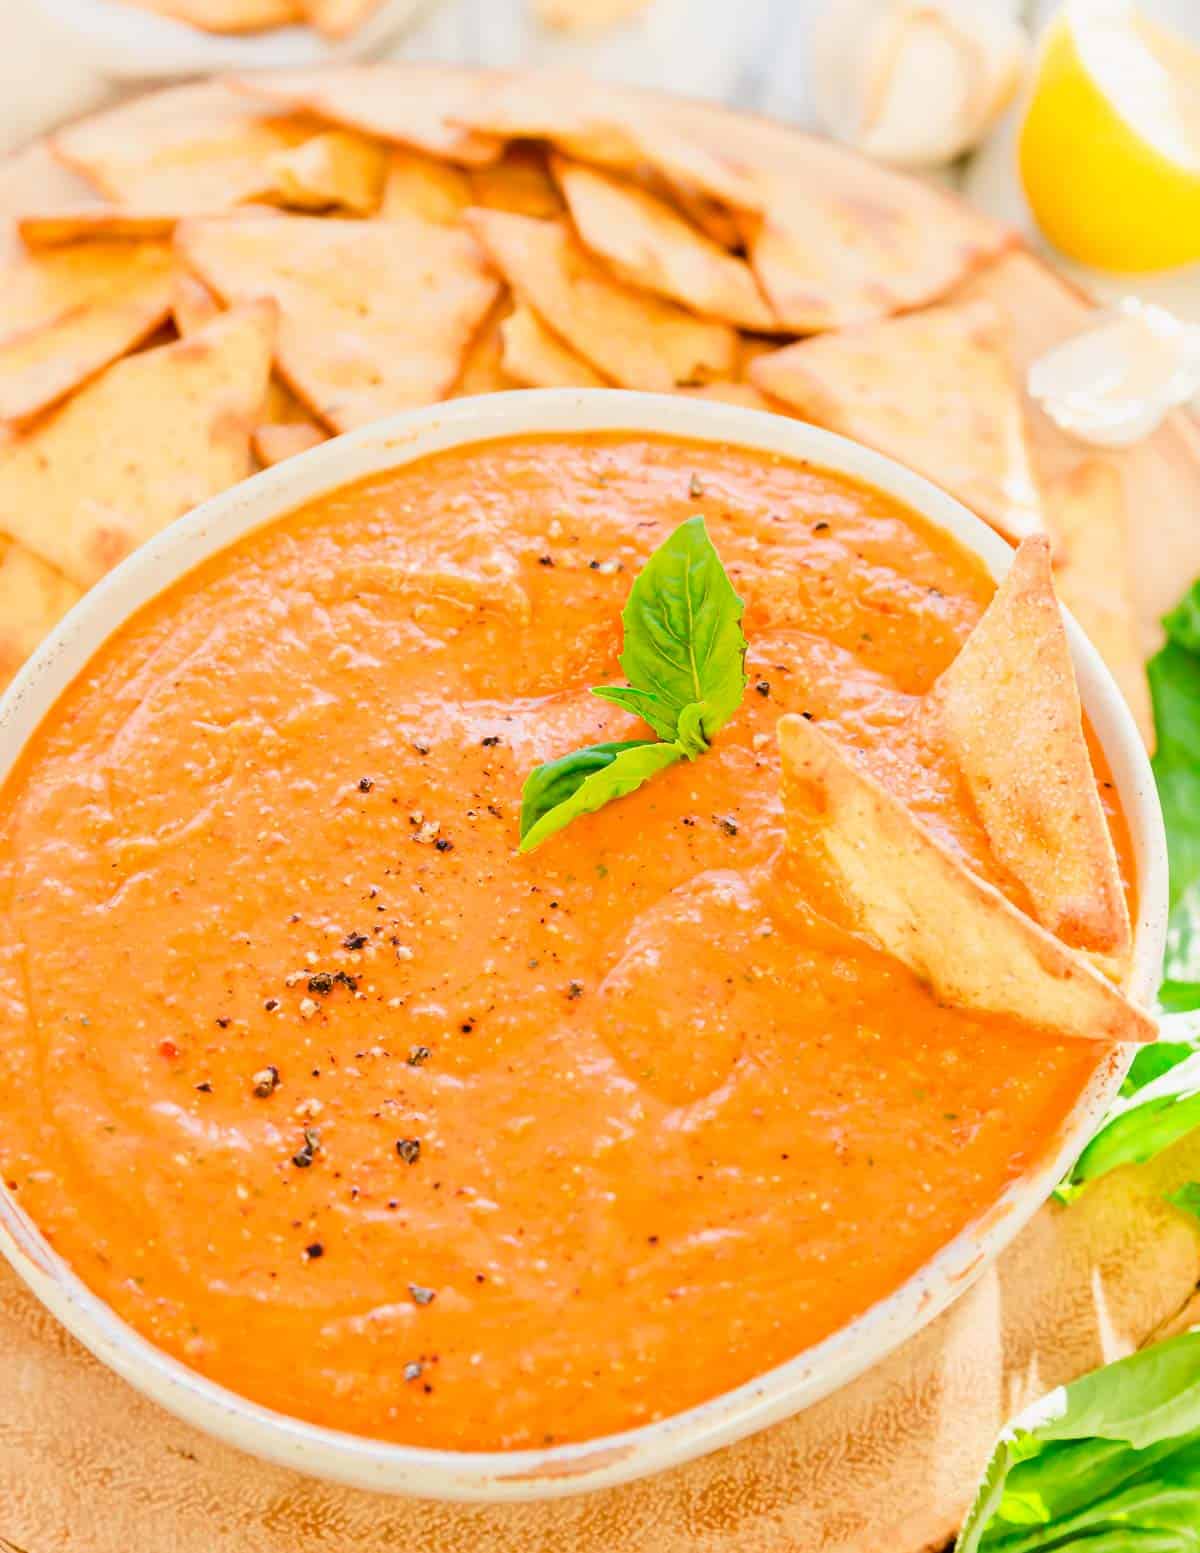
[684, 654]
[685, 657]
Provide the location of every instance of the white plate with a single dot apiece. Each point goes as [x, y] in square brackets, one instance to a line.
[128, 43]
[566, 1469]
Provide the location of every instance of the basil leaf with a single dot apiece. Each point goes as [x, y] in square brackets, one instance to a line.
[584, 781]
[1187, 1198]
[1109, 1464]
[1146, 1122]
[1175, 689]
[661, 717]
[683, 630]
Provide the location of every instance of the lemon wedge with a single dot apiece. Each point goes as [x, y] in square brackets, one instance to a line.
[1109, 150]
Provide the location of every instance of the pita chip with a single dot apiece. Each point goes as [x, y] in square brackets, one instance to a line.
[192, 304]
[634, 339]
[935, 390]
[273, 443]
[731, 393]
[34, 179]
[187, 148]
[226, 16]
[519, 182]
[483, 370]
[880, 874]
[71, 224]
[422, 186]
[338, 18]
[411, 105]
[586, 15]
[182, 416]
[1008, 713]
[335, 170]
[66, 313]
[33, 599]
[534, 357]
[627, 131]
[1094, 575]
[375, 316]
[649, 244]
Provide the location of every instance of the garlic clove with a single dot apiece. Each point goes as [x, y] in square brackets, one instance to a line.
[915, 82]
[1112, 384]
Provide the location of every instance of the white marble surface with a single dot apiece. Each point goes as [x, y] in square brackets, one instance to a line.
[747, 52]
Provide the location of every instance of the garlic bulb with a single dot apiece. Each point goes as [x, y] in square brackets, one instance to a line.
[915, 82]
[1112, 384]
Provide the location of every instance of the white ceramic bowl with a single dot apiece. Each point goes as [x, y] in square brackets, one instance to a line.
[127, 43]
[558, 1470]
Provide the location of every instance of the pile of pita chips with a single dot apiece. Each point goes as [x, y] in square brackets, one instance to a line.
[152, 437]
[632, 338]
[882, 875]
[935, 390]
[482, 232]
[374, 318]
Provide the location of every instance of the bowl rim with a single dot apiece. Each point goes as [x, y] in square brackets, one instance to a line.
[557, 1470]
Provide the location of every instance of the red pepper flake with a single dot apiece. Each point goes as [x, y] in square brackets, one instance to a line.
[205, 1088]
[409, 1149]
[442, 845]
[355, 941]
[491, 741]
[314, 1252]
[574, 990]
[819, 528]
[417, 1056]
[726, 824]
[365, 784]
[763, 686]
[321, 983]
[271, 1005]
[168, 1049]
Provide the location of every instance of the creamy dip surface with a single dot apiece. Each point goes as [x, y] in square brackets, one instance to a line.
[338, 1098]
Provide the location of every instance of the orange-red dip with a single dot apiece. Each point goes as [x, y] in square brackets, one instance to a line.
[592, 1134]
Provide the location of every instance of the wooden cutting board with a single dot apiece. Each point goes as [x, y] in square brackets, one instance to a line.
[885, 1466]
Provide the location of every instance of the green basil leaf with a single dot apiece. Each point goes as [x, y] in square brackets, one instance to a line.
[1187, 1198]
[1146, 1122]
[690, 729]
[661, 717]
[683, 630]
[584, 781]
[1109, 1464]
[1175, 688]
